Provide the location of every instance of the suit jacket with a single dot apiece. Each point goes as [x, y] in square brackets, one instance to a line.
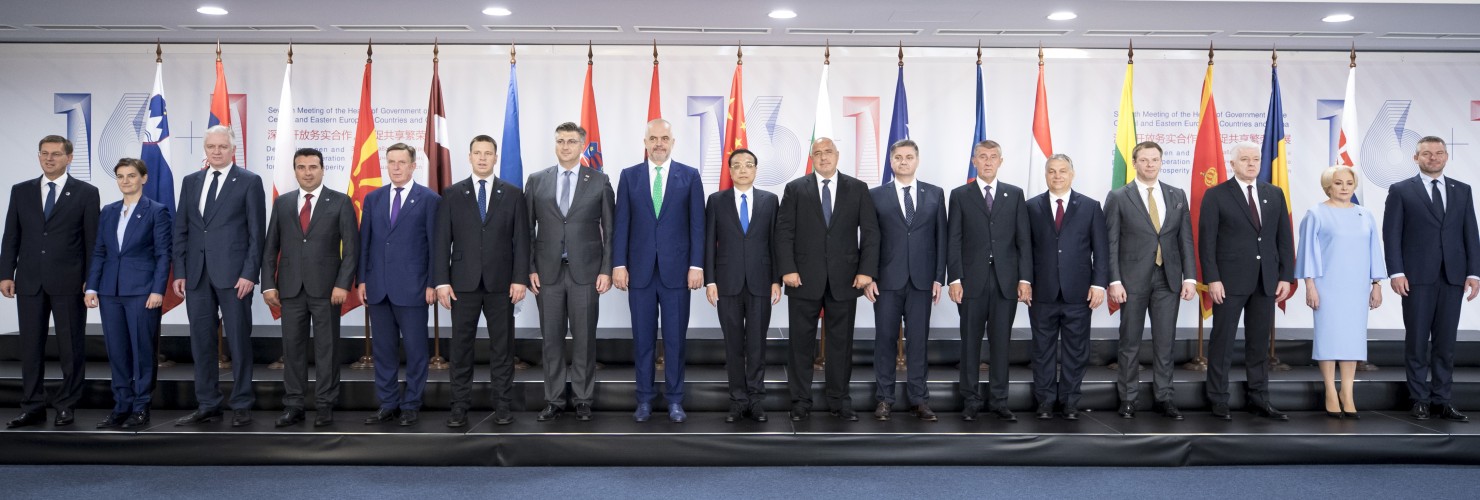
[142, 264]
[468, 250]
[979, 241]
[1229, 248]
[313, 262]
[1133, 239]
[1070, 259]
[1417, 240]
[662, 245]
[915, 254]
[49, 255]
[396, 259]
[226, 245]
[585, 230]
[824, 253]
[739, 261]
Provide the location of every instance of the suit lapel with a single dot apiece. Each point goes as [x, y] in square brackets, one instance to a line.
[895, 207]
[222, 191]
[131, 226]
[495, 198]
[1132, 191]
[324, 205]
[582, 180]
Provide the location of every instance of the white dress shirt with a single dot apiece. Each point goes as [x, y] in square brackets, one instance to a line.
[405, 193]
[1243, 191]
[1161, 199]
[205, 185]
[61, 183]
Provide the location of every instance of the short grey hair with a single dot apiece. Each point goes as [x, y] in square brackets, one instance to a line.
[222, 130]
[1233, 150]
[1060, 156]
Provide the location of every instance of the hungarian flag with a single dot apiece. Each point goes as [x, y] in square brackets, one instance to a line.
[1348, 143]
[822, 122]
[1208, 167]
[1274, 166]
[734, 128]
[899, 124]
[1122, 168]
[161, 185]
[364, 175]
[981, 125]
[1042, 140]
[439, 158]
[592, 157]
[511, 163]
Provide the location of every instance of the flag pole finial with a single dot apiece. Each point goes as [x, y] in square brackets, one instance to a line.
[1274, 58]
[826, 52]
[739, 56]
[978, 52]
[218, 51]
[158, 52]
[369, 50]
[1040, 53]
[290, 51]
[436, 50]
[655, 52]
[1354, 55]
[511, 52]
[901, 53]
[1210, 53]
[1130, 52]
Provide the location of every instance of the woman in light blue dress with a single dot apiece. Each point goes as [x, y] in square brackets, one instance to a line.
[1340, 259]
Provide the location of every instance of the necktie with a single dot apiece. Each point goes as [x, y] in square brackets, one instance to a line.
[826, 203]
[1254, 210]
[396, 206]
[1438, 198]
[909, 207]
[565, 192]
[1058, 216]
[744, 214]
[51, 199]
[658, 191]
[122, 226]
[988, 196]
[1155, 219]
[483, 201]
[306, 213]
[211, 193]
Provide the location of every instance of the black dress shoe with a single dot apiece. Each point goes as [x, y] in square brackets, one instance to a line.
[1071, 413]
[922, 412]
[136, 420]
[25, 419]
[970, 412]
[409, 418]
[1127, 409]
[1351, 415]
[1449, 412]
[1220, 412]
[502, 415]
[113, 420]
[846, 414]
[241, 418]
[289, 417]
[583, 412]
[1169, 410]
[198, 417]
[882, 411]
[551, 412]
[323, 417]
[1267, 411]
[1004, 414]
[757, 413]
[459, 417]
[64, 418]
[737, 410]
[1420, 411]
[800, 413]
[381, 416]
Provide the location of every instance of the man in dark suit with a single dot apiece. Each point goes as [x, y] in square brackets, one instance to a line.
[397, 231]
[912, 256]
[307, 268]
[1070, 269]
[481, 259]
[1433, 253]
[49, 233]
[1248, 262]
[130, 264]
[657, 254]
[741, 282]
[827, 251]
[989, 259]
[571, 212]
[218, 258]
[1149, 224]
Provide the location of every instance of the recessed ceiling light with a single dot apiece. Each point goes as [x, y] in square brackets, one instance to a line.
[211, 11]
[497, 11]
[782, 14]
[1338, 18]
[1062, 16]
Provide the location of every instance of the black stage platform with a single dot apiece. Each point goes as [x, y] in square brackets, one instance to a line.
[1385, 434]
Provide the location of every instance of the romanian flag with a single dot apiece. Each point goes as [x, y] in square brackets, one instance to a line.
[1274, 166]
[364, 175]
[439, 158]
[1042, 139]
[1208, 170]
[734, 128]
[592, 157]
[1123, 168]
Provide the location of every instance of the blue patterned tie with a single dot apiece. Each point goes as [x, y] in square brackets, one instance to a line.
[744, 215]
[51, 199]
[396, 207]
[909, 207]
[826, 203]
[483, 201]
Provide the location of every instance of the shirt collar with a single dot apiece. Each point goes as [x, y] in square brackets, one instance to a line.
[409, 184]
[61, 181]
[1425, 178]
[739, 192]
[982, 185]
[1244, 186]
[663, 165]
[224, 170]
[899, 186]
[1053, 198]
[491, 177]
[820, 178]
[1144, 186]
[316, 191]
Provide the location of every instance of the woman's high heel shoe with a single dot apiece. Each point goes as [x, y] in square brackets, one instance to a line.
[1351, 415]
[1335, 415]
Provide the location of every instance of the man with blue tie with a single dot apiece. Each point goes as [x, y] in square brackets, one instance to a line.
[1433, 253]
[397, 231]
[1071, 268]
[49, 233]
[657, 255]
[741, 282]
[130, 264]
[218, 258]
[912, 256]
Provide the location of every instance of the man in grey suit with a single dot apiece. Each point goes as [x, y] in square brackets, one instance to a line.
[218, 257]
[570, 217]
[1151, 266]
[307, 268]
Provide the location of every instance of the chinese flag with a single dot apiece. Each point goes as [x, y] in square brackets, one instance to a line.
[734, 129]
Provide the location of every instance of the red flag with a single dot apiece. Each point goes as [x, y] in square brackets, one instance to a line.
[592, 157]
[364, 175]
[439, 158]
[1208, 170]
[734, 129]
[655, 108]
[220, 98]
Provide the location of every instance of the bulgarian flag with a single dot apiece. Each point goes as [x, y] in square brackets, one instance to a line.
[822, 123]
[1208, 170]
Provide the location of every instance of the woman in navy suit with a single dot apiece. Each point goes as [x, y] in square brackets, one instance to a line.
[129, 266]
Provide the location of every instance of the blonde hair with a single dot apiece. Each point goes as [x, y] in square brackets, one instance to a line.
[1328, 176]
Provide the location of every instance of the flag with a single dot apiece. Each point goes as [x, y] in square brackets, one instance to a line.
[283, 180]
[1123, 168]
[364, 175]
[1274, 165]
[161, 185]
[1208, 170]
[899, 124]
[1347, 146]
[981, 125]
[439, 158]
[655, 108]
[220, 98]
[1042, 139]
[511, 164]
[592, 157]
[822, 122]
[734, 129]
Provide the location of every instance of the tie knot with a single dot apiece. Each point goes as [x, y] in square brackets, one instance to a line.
[482, 182]
[52, 185]
[825, 181]
[567, 173]
[216, 174]
[308, 196]
[1060, 201]
[1435, 182]
[1150, 189]
[398, 190]
[742, 197]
